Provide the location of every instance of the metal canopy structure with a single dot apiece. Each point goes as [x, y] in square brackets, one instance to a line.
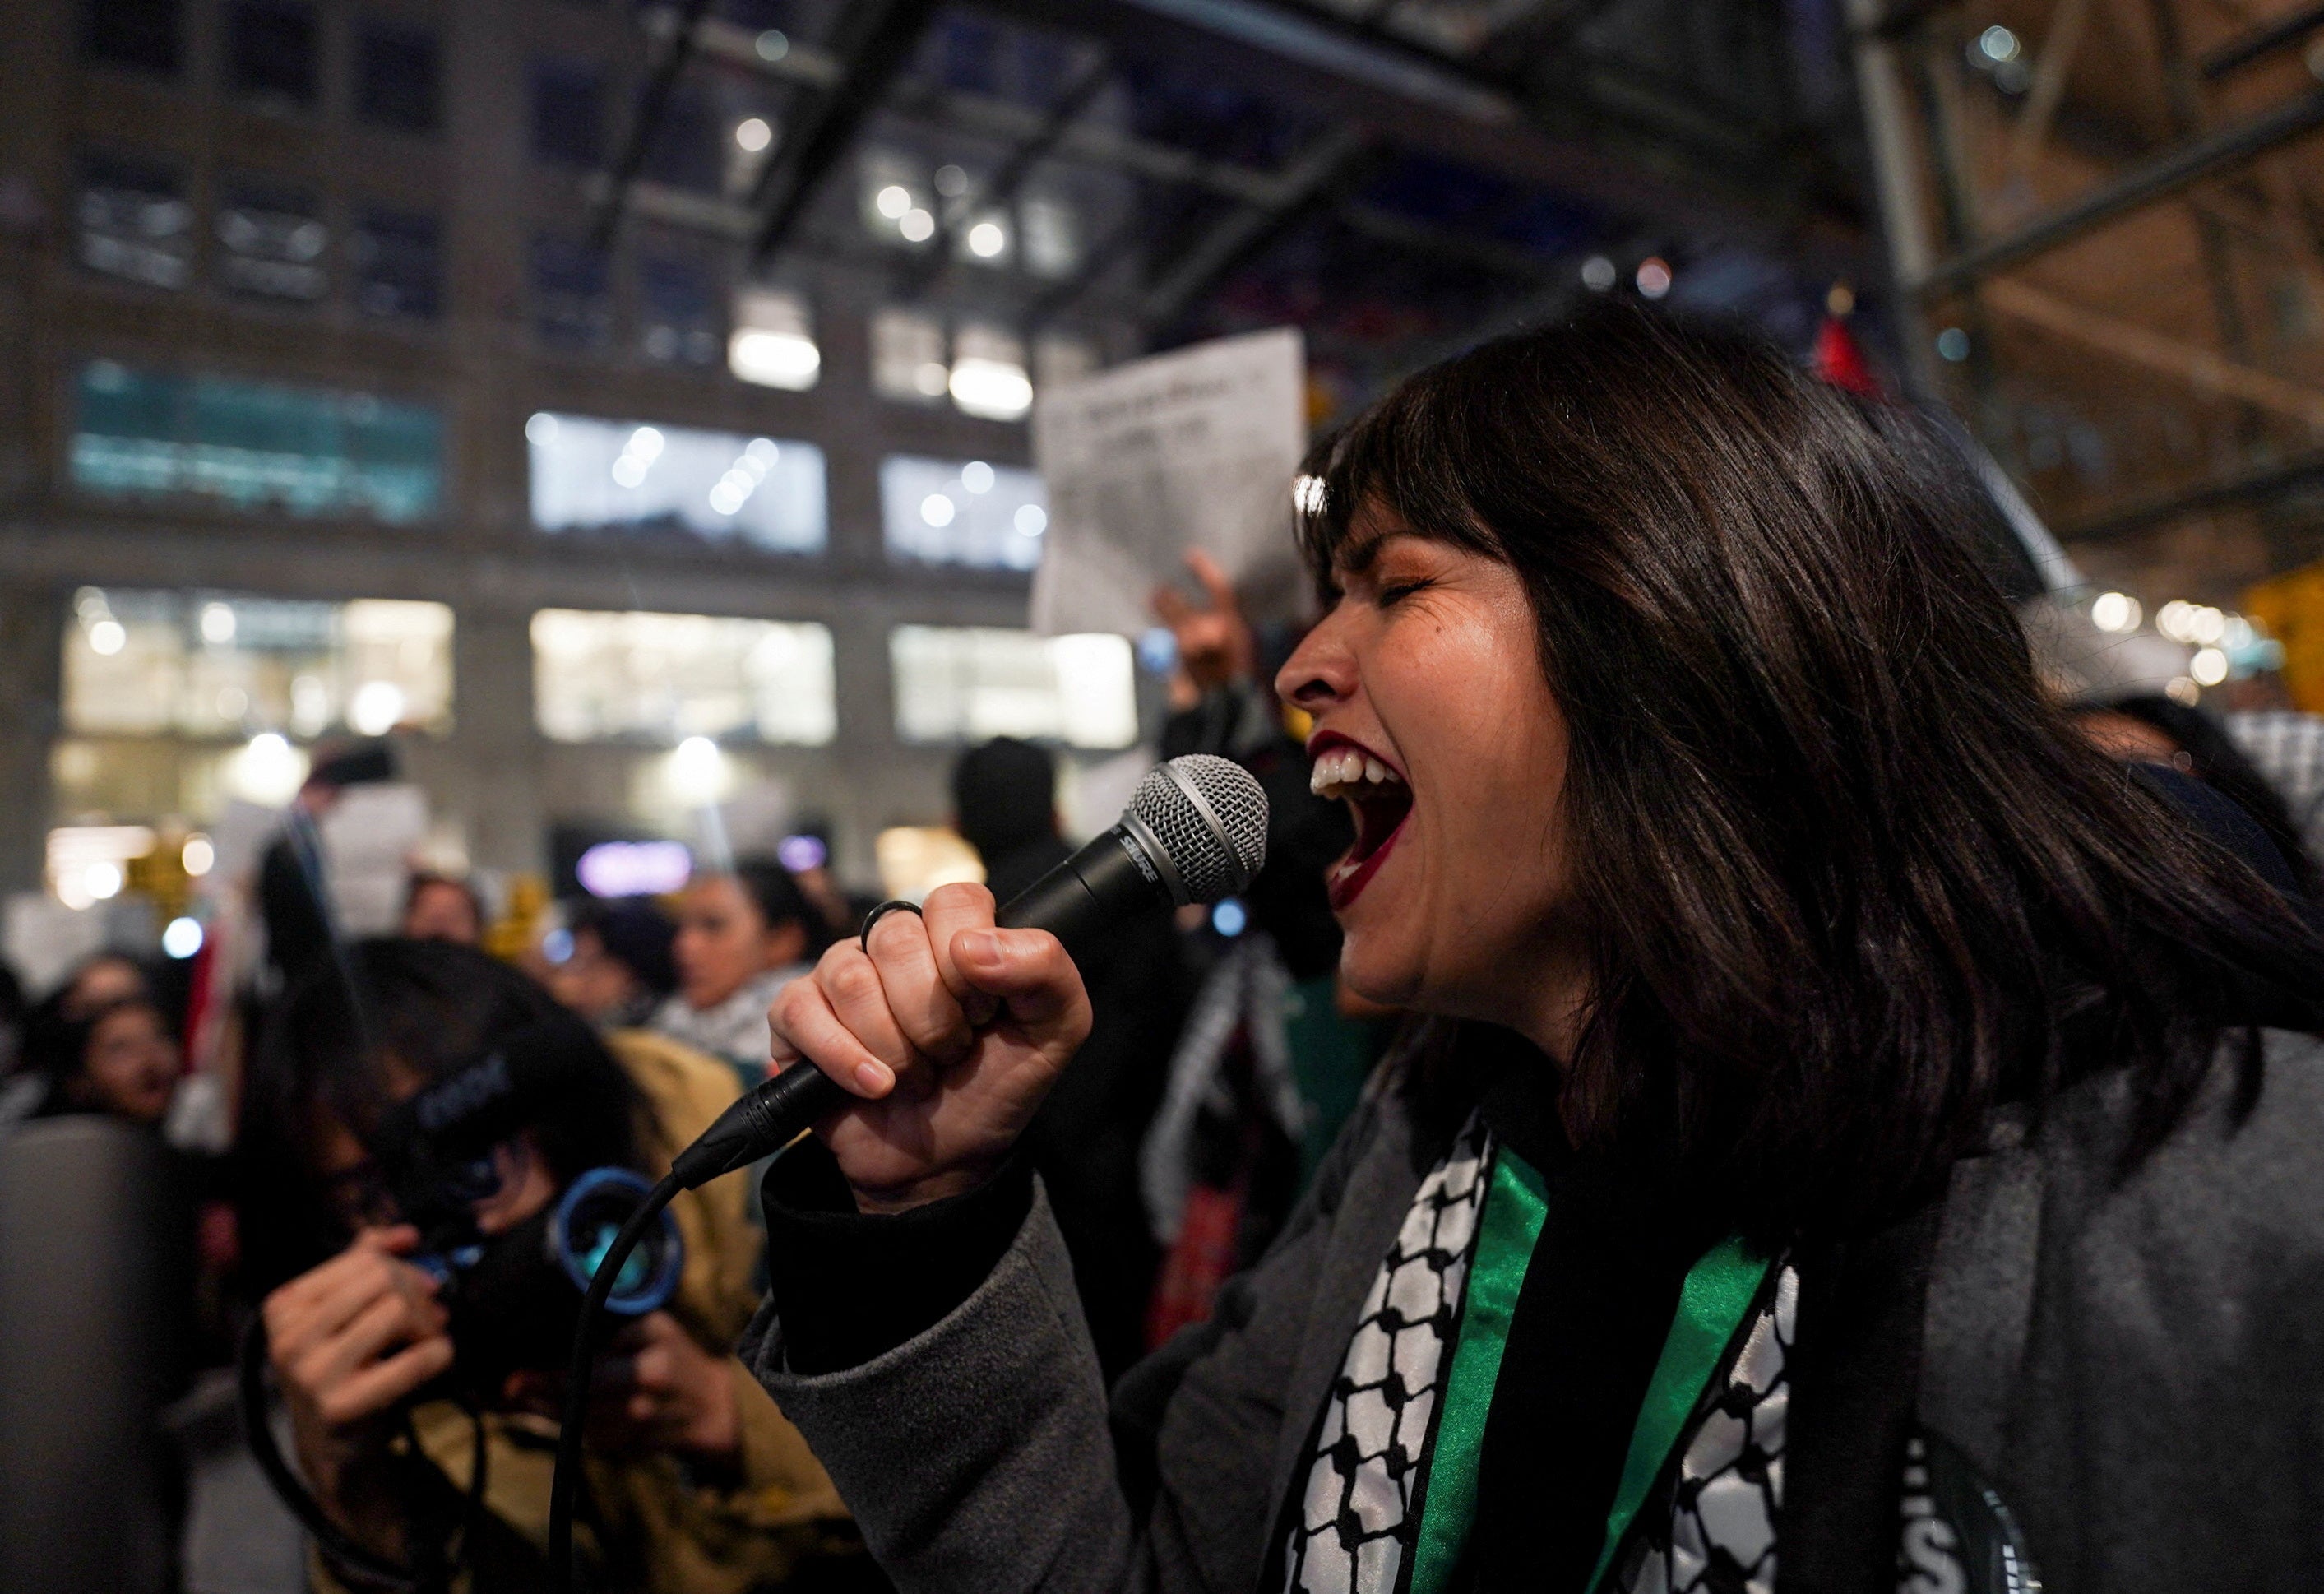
[1395, 176]
[2106, 218]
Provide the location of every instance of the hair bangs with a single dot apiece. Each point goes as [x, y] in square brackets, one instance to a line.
[1409, 454]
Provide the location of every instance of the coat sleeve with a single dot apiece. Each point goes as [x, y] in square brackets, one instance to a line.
[979, 1454]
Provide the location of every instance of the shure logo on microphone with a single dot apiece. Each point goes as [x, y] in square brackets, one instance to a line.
[457, 1097]
[1138, 856]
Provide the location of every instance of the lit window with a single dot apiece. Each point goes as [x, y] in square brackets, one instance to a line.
[272, 242]
[93, 863]
[609, 476]
[255, 445]
[134, 222]
[678, 310]
[966, 684]
[1051, 236]
[572, 294]
[950, 511]
[665, 678]
[143, 662]
[773, 342]
[916, 859]
[988, 376]
[908, 356]
[399, 267]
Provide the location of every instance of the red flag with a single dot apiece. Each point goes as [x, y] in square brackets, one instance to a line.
[1840, 360]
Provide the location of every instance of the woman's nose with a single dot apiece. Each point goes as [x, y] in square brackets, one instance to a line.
[1321, 669]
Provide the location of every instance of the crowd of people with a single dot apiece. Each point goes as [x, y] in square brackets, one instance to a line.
[652, 1016]
[1221, 1058]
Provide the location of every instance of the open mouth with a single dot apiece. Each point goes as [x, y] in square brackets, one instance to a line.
[1378, 796]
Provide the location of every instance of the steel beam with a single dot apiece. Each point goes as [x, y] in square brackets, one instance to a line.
[1309, 181]
[2159, 177]
[1896, 20]
[1085, 143]
[1001, 190]
[1607, 131]
[2251, 486]
[1895, 180]
[2264, 40]
[1352, 51]
[877, 47]
[676, 47]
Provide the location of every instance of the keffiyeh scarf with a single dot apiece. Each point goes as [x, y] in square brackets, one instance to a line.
[1707, 1523]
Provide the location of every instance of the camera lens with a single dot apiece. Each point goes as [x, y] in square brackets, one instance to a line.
[476, 1180]
[588, 1221]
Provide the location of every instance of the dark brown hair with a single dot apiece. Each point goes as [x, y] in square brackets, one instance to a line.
[427, 1009]
[1849, 879]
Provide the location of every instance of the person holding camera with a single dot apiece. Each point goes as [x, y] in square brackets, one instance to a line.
[423, 1388]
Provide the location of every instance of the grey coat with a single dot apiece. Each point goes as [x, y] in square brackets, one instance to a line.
[2137, 1363]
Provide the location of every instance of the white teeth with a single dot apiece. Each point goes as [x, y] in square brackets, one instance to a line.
[1339, 769]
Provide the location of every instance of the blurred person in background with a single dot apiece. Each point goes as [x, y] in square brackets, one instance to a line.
[442, 908]
[1274, 1050]
[807, 854]
[619, 967]
[743, 934]
[116, 1057]
[100, 981]
[697, 1485]
[294, 899]
[1085, 1139]
[2150, 729]
[13, 1007]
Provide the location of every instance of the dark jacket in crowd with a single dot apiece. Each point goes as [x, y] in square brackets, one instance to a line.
[1085, 1139]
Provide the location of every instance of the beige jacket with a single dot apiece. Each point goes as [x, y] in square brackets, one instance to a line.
[655, 1528]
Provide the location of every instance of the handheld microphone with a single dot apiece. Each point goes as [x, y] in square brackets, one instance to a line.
[1195, 831]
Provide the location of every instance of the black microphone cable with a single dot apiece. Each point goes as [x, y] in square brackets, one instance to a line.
[339, 1547]
[770, 1117]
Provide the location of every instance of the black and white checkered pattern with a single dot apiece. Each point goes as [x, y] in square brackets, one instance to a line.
[1716, 1531]
[1711, 1530]
[1355, 1523]
[2289, 750]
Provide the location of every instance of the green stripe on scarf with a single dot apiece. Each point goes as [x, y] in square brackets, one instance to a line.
[1713, 1303]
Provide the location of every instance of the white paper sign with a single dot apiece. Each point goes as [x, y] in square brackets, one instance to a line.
[368, 837]
[1195, 449]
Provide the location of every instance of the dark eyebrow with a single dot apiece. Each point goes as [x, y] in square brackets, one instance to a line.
[1353, 559]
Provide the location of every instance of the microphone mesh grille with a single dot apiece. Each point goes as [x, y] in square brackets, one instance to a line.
[1211, 866]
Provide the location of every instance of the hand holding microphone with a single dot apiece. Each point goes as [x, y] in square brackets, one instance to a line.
[950, 1033]
[953, 1025]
